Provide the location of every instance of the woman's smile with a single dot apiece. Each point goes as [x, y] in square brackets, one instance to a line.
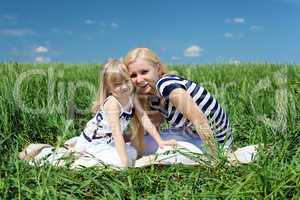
[143, 75]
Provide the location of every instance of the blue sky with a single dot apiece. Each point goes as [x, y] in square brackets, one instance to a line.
[190, 31]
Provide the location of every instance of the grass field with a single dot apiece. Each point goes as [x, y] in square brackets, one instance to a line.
[49, 104]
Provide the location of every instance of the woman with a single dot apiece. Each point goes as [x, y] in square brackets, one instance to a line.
[194, 114]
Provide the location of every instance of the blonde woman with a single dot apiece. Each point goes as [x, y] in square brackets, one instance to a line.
[194, 114]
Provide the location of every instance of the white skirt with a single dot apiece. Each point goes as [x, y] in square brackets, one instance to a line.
[99, 152]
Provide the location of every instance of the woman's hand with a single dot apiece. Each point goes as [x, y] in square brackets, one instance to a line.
[163, 143]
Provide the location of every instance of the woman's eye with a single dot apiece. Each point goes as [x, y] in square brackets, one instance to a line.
[144, 71]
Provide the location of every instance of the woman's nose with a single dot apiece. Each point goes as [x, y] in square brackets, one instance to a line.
[139, 79]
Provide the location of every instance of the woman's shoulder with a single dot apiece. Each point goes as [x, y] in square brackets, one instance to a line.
[169, 82]
[170, 78]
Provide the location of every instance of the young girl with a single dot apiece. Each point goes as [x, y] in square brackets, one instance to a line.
[116, 105]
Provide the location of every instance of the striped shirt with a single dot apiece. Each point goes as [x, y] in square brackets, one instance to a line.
[216, 115]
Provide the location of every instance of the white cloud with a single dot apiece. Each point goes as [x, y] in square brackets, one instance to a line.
[89, 21]
[175, 58]
[255, 28]
[236, 20]
[42, 59]
[16, 32]
[61, 31]
[228, 35]
[193, 51]
[41, 49]
[114, 25]
[102, 23]
[235, 61]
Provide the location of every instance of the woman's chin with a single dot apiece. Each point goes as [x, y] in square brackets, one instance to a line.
[145, 90]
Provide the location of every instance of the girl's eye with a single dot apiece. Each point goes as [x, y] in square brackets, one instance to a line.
[132, 75]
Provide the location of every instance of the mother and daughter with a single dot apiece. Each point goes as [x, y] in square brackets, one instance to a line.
[136, 87]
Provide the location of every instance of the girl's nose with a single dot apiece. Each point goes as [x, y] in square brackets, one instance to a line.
[124, 87]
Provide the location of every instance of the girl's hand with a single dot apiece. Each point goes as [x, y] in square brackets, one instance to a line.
[162, 143]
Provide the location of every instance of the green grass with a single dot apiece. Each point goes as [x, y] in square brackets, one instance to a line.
[262, 101]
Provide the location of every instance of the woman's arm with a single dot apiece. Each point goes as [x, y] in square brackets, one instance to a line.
[148, 125]
[186, 105]
[112, 108]
[155, 116]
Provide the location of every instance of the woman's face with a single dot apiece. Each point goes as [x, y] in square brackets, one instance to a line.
[144, 76]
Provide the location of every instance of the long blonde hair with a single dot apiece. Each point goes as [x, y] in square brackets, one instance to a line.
[113, 70]
[149, 56]
[144, 54]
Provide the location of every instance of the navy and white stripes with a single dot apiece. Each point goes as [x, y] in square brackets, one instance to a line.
[215, 114]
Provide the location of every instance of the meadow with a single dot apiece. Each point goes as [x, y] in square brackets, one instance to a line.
[49, 103]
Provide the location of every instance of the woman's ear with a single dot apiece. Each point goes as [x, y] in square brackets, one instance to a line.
[159, 68]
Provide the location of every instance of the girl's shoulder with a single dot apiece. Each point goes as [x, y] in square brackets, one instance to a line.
[111, 104]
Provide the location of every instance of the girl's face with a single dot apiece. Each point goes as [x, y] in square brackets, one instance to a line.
[121, 88]
[144, 76]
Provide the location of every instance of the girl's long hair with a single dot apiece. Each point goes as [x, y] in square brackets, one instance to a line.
[113, 70]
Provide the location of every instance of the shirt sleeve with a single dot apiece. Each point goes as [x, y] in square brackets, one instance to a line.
[167, 84]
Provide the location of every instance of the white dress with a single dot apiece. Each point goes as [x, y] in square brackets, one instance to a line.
[96, 140]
